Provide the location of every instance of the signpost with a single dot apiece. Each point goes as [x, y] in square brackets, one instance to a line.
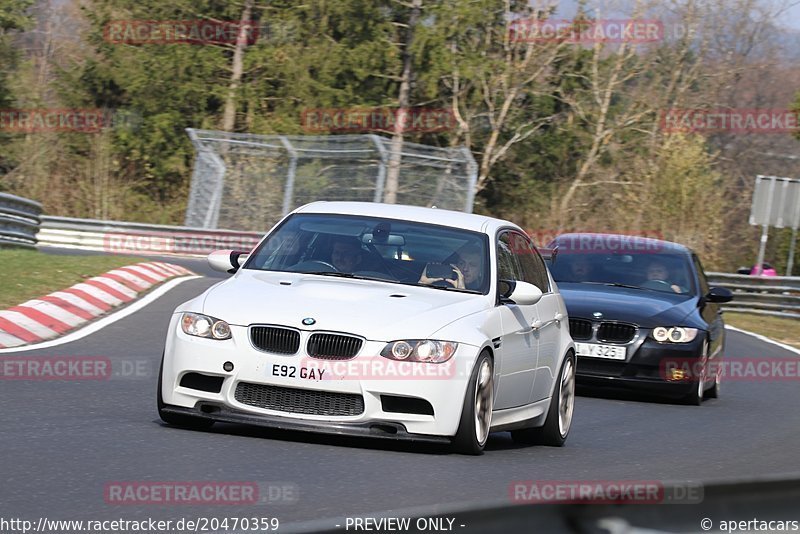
[776, 202]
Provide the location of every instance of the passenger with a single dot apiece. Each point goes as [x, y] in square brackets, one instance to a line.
[467, 263]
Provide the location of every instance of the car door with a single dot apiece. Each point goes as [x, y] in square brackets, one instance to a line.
[710, 311]
[519, 342]
[550, 315]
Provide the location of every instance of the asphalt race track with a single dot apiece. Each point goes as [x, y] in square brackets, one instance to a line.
[62, 442]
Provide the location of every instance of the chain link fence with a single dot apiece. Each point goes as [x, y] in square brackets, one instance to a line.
[248, 182]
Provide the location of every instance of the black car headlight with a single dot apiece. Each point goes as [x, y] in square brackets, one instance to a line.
[197, 324]
[674, 334]
[420, 350]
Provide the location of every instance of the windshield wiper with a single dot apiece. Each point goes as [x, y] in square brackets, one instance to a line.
[347, 275]
[473, 291]
[613, 284]
[329, 273]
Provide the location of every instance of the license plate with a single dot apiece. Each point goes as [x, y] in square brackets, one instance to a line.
[593, 350]
[291, 371]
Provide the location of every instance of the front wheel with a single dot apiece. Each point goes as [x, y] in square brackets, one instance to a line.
[559, 416]
[186, 421]
[476, 415]
[695, 396]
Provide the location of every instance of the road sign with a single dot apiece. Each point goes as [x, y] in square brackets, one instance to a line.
[776, 202]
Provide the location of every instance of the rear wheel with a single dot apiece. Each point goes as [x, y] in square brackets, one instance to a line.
[186, 421]
[476, 414]
[559, 416]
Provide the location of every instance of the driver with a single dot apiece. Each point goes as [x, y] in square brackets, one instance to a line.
[581, 269]
[346, 254]
[658, 272]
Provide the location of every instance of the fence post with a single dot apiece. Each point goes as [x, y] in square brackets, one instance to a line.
[289, 193]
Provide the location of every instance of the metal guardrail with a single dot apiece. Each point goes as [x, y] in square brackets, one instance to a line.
[764, 295]
[19, 221]
[131, 238]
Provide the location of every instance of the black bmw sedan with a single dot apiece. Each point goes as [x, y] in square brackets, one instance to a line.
[641, 313]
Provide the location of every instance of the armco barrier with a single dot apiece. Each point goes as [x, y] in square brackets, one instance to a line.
[775, 295]
[19, 221]
[764, 295]
[138, 238]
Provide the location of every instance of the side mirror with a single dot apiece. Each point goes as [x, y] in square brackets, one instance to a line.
[517, 292]
[227, 261]
[719, 295]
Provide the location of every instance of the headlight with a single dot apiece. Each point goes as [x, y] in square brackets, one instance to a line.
[195, 324]
[420, 350]
[674, 334]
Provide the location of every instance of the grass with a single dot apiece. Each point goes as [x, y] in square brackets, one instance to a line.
[28, 274]
[778, 328]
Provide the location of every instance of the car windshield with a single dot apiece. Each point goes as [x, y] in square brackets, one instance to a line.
[401, 252]
[664, 272]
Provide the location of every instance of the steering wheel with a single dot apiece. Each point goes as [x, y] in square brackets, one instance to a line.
[441, 283]
[658, 285]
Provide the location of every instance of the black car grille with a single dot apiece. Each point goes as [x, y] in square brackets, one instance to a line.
[616, 332]
[580, 329]
[275, 339]
[302, 401]
[333, 346]
[595, 366]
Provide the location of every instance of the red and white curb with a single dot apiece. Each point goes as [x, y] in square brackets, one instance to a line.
[57, 313]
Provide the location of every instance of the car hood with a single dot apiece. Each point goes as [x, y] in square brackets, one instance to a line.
[647, 308]
[375, 310]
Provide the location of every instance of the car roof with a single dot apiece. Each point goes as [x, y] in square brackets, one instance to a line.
[457, 219]
[648, 243]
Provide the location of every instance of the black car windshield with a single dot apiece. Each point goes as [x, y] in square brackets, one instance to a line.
[665, 272]
[389, 250]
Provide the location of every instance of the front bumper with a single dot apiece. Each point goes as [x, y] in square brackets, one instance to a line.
[442, 389]
[385, 430]
[645, 368]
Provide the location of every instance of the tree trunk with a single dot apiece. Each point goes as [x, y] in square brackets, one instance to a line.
[403, 103]
[229, 114]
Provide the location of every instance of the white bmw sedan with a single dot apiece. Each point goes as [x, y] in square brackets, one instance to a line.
[378, 320]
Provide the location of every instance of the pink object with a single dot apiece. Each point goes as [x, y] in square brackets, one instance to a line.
[769, 271]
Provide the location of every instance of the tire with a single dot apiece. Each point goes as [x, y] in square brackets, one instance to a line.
[476, 414]
[185, 421]
[713, 392]
[555, 430]
[695, 396]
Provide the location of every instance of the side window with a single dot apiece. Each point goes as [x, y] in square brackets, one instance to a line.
[532, 265]
[507, 267]
[701, 275]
